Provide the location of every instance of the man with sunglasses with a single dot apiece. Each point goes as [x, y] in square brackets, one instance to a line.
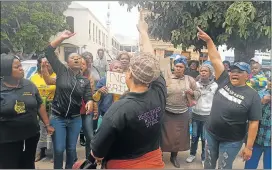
[234, 105]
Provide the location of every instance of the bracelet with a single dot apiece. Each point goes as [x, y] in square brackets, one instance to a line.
[250, 148]
[47, 125]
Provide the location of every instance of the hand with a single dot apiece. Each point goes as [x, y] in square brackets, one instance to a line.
[266, 99]
[142, 26]
[202, 35]
[252, 82]
[246, 154]
[103, 90]
[89, 107]
[95, 117]
[50, 130]
[66, 35]
[190, 91]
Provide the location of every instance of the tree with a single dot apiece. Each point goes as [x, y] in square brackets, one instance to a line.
[27, 26]
[244, 26]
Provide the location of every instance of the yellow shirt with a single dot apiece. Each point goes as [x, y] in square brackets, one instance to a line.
[45, 90]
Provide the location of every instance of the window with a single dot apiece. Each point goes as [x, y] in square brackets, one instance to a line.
[106, 41]
[90, 29]
[93, 33]
[99, 37]
[134, 48]
[70, 23]
[96, 35]
[127, 48]
[103, 40]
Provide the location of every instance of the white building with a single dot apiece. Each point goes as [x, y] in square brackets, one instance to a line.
[229, 56]
[128, 44]
[91, 34]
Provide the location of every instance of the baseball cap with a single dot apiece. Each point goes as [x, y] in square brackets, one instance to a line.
[242, 66]
[256, 59]
[145, 68]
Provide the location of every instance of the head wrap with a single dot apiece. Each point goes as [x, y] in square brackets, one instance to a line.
[112, 64]
[182, 60]
[145, 68]
[226, 62]
[6, 64]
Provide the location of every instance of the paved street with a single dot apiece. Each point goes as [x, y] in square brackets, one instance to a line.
[238, 163]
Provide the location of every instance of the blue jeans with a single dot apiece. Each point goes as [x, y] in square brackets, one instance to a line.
[87, 125]
[224, 151]
[256, 155]
[65, 137]
[198, 130]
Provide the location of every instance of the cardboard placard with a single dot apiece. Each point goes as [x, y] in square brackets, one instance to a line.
[116, 83]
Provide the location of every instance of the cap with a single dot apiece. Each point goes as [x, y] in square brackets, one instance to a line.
[242, 66]
[145, 68]
[256, 59]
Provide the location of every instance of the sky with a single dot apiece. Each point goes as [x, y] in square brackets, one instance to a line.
[122, 22]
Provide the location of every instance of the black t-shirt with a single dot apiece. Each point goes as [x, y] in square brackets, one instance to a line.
[232, 108]
[18, 112]
[132, 126]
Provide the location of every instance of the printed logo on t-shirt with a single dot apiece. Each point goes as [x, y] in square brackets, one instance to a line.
[231, 95]
[151, 117]
[19, 107]
[27, 94]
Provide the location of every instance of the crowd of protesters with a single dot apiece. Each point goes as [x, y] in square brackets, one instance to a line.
[227, 106]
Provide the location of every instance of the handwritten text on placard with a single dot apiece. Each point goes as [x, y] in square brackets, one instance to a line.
[116, 83]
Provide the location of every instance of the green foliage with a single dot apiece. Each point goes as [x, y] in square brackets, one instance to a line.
[28, 25]
[240, 25]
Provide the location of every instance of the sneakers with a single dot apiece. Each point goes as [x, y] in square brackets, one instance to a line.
[190, 159]
[202, 163]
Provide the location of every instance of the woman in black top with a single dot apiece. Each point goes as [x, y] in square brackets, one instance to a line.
[71, 88]
[234, 105]
[19, 127]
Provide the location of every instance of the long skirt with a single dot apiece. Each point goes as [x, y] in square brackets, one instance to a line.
[175, 132]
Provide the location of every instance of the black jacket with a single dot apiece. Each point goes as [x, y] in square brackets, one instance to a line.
[70, 88]
[132, 126]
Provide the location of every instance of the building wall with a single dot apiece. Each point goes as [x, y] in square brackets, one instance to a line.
[91, 34]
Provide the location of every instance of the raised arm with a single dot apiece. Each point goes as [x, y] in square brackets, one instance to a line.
[50, 54]
[212, 52]
[44, 71]
[146, 43]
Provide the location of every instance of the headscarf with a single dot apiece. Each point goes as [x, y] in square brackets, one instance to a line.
[226, 62]
[112, 64]
[6, 64]
[182, 60]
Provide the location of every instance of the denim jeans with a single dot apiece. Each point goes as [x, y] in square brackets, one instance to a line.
[65, 137]
[198, 130]
[256, 155]
[87, 125]
[224, 151]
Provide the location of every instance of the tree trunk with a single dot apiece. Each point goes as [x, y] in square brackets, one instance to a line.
[243, 54]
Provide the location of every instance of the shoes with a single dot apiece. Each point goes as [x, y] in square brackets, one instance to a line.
[175, 162]
[190, 159]
[82, 142]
